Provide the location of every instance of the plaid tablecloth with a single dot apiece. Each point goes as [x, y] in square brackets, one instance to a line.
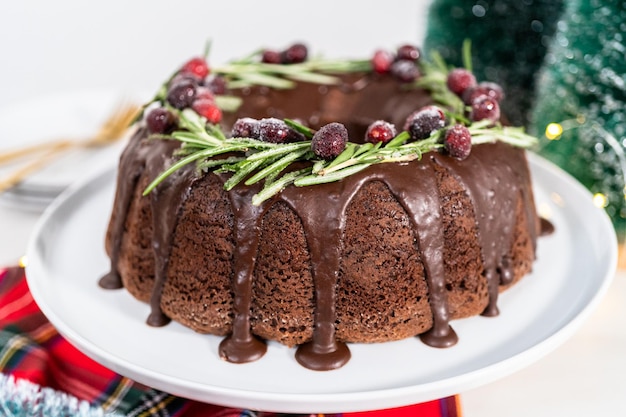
[41, 374]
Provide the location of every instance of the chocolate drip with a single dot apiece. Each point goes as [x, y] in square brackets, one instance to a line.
[241, 346]
[131, 164]
[323, 218]
[166, 203]
[546, 227]
[416, 192]
[493, 186]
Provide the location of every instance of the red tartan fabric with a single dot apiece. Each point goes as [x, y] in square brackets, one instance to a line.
[31, 349]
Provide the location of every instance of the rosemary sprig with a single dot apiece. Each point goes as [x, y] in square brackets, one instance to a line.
[262, 161]
[251, 161]
[249, 72]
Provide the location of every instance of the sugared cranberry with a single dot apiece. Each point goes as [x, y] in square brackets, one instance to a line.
[381, 61]
[330, 140]
[207, 108]
[490, 89]
[217, 84]
[422, 123]
[485, 108]
[404, 71]
[160, 121]
[380, 131]
[182, 94]
[196, 66]
[295, 54]
[276, 131]
[459, 80]
[408, 53]
[182, 77]
[271, 56]
[458, 141]
[204, 93]
[246, 127]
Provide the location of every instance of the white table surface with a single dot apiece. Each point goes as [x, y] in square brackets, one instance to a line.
[584, 377]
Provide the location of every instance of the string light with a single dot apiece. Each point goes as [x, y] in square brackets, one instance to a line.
[554, 131]
[600, 200]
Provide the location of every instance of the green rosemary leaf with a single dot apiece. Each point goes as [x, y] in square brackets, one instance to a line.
[337, 67]
[277, 150]
[276, 166]
[270, 178]
[372, 151]
[192, 121]
[277, 186]
[348, 153]
[366, 147]
[173, 168]
[243, 172]
[299, 127]
[467, 54]
[239, 84]
[439, 63]
[228, 104]
[400, 139]
[212, 163]
[314, 78]
[266, 80]
[318, 166]
[215, 131]
[332, 177]
[190, 138]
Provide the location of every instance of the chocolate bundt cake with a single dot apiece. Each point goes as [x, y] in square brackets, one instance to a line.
[347, 230]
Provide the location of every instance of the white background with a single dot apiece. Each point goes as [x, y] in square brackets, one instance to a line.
[52, 46]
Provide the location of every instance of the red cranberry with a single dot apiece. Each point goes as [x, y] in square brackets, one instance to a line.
[380, 131]
[196, 66]
[270, 56]
[408, 53]
[404, 71]
[160, 121]
[485, 108]
[276, 131]
[182, 94]
[246, 127]
[492, 90]
[295, 54]
[422, 123]
[459, 80]
[208, 109]
[182, 77]
[330, 140]
[381, 61]
[458, 141]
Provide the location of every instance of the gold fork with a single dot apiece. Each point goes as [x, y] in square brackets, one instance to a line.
[109, 132]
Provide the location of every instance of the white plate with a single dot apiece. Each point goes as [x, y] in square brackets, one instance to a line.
[74, 115]
[574, 268]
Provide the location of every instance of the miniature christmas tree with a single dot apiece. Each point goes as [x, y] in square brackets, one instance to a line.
[581, 101]
[509, 40]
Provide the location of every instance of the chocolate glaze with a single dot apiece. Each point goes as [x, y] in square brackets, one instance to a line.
[547, 228]
[495, 177]
[241, 346]
[131, 165]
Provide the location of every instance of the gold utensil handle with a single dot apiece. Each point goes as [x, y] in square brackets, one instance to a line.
[19, 174]
[14, 154]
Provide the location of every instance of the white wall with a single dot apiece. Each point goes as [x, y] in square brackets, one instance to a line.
[53, 46]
